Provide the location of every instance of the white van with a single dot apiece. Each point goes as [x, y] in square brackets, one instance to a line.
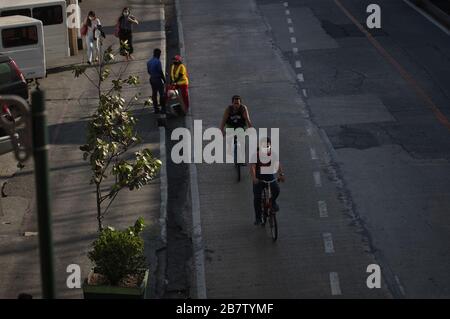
[22, 39]
[53, 15]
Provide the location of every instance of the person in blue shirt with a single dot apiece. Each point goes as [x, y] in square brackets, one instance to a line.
[157, 80]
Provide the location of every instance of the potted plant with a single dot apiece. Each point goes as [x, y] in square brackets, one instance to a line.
[118, 256]
[120, 270]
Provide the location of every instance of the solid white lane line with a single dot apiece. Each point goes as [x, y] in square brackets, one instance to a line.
[298, 64]
[317, 179]
[295, 50]
[293, 40]
[323, 211]
[305, 94]
[288, 12]
[300, 77]
[328, 243]
[334, 284]
[428, 17]
[291, 30]
[289, 20]
[313, 153]
[309, 131]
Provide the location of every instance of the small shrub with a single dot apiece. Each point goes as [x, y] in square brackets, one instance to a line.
[117, 254]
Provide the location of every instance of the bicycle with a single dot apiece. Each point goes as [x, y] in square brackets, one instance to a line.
[237, 165]
[267, 210]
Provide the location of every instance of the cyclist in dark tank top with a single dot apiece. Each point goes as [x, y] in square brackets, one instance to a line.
[236, 115]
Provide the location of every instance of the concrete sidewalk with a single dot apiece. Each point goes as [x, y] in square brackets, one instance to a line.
[69, 103]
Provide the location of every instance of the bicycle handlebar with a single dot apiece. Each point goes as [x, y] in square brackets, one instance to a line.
[268, 182]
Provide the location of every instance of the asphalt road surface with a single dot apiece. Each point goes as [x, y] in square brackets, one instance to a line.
[364, 139]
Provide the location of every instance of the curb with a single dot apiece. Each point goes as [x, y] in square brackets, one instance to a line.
[162, 145]
[197, 239]
[163, 185]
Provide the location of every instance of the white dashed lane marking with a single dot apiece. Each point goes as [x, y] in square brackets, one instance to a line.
[323, 210]
[328, 243]
[334, 284]
[317, 179]
[322, 205]
[313, 153]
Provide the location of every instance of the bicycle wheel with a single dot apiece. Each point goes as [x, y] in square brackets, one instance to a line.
[273, 226]
[264, 208]
[236, 164]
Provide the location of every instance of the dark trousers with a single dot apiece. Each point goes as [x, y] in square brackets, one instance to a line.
[126, 35]
[257, 196]
[158, 88]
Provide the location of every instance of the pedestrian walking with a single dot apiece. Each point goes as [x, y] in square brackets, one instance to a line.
[92, 31]
[157, 80]
[179, 78]
[124, 31]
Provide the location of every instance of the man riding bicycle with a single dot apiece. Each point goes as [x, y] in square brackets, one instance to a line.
[235, 116]
[273, 167]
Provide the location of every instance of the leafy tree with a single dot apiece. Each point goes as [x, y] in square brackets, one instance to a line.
[111, 133]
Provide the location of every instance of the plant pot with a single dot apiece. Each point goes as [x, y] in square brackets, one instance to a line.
[114, 292]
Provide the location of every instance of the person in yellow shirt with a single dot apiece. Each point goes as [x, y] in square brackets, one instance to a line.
[179, 77]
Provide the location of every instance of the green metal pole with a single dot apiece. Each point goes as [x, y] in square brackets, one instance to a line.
[40, 152]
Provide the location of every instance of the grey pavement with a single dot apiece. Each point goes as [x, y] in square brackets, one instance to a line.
[69, 103]
[230, 50]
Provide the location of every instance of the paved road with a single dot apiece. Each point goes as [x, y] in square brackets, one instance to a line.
[69, 103]
[360, 133]
[380, 99]
[230, 51]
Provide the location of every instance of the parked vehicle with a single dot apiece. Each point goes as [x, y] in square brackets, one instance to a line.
[22, 39]
[5, 139]
[53, 15]
[12, 80]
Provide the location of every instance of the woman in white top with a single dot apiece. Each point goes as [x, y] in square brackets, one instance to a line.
[93, 28]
